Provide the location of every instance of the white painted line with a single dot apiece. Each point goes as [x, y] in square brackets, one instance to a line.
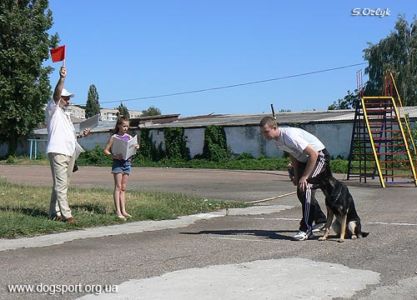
[282, 219]
[392, 223]
[367, 223]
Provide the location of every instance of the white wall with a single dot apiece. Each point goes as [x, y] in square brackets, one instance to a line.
[241, 139]
[336, 138]
[195, 140]
[244, 139]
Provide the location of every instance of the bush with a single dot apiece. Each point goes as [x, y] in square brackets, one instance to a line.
[175, 144]
[245, 155]
[94, 157]
[339, 166]
[215, 145]
[11, 159]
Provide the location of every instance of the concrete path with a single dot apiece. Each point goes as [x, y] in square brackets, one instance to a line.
[248, 254]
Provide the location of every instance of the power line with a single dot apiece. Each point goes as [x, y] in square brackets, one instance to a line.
[235, 85]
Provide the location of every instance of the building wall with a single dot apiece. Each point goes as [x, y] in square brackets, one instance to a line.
[240, 139]
[336, 137]
[108, 114]
[76, 111]
[247, 139]
[195, 140]
[21, 149]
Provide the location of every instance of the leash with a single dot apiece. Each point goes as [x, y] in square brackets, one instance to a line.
[271, 198]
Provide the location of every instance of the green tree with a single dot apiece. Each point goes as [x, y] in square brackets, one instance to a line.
[92, 106]
[396, 53]
[123, 110]
[347, 102]
[151, 111]
[24, 82]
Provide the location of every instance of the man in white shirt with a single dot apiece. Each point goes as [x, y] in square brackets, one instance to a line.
[60, 149]
[311, 164]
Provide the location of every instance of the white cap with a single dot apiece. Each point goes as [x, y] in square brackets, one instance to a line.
[65, 93]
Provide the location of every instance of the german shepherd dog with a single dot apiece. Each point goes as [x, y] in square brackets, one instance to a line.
[339, 203]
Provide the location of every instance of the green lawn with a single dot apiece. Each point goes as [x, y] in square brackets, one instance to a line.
[24, 209]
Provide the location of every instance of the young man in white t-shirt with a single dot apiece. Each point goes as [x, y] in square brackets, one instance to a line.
[311, 164]
[61, 149]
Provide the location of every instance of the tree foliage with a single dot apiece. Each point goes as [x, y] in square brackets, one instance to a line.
[151, 111]
[92, 107]
[347, 102]
[396, 53]
[123, 111]
[24, 82]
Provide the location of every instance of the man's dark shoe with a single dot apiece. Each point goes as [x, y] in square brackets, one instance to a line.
[70, 220]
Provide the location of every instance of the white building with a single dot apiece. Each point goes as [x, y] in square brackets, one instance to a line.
[76, 111]
[106, 114]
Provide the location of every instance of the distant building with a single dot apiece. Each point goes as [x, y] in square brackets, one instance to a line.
[76, 112]
[106, 114]
[333, 128]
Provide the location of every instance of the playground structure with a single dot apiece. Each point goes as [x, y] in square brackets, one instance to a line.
[382, 144]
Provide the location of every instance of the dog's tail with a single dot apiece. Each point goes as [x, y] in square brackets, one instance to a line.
[364, 234]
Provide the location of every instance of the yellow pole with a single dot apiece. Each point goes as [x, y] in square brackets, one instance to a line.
[406, 144]
[407, 124]
[381, 179]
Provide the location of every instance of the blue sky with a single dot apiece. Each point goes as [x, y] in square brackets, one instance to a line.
[134, 49]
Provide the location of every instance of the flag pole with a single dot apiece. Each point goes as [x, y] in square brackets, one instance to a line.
[63, 63]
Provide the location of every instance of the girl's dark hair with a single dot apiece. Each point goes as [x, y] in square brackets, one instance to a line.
[120, 120]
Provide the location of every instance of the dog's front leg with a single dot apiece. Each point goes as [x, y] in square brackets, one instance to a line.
[328, 224]
[343, 219]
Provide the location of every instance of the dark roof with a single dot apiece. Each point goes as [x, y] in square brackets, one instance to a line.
[284, 118]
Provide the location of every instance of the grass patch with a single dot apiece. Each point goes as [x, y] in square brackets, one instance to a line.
[24, 209]
[239, 163]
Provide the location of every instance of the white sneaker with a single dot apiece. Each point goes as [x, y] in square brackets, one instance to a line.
[302, 236]
[318, 227]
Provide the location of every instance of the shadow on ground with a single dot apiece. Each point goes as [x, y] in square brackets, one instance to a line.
[34, 212]
[248, 232]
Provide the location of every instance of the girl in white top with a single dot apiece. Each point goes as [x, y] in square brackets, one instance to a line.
[121, 168]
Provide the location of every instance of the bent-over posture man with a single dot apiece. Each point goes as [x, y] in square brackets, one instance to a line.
[311, 163]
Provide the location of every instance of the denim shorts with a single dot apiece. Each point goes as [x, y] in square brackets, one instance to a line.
[121, 166]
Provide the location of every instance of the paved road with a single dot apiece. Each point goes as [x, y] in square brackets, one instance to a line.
[215, 184]
[247, 254]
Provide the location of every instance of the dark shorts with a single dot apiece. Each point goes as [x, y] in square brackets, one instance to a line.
[121, 166]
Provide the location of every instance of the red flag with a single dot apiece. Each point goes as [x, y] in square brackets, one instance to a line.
[58, 54]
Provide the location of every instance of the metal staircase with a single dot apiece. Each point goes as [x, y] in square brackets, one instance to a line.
[381, 142]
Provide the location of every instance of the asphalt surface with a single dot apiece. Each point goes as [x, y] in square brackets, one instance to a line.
[247, 254]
